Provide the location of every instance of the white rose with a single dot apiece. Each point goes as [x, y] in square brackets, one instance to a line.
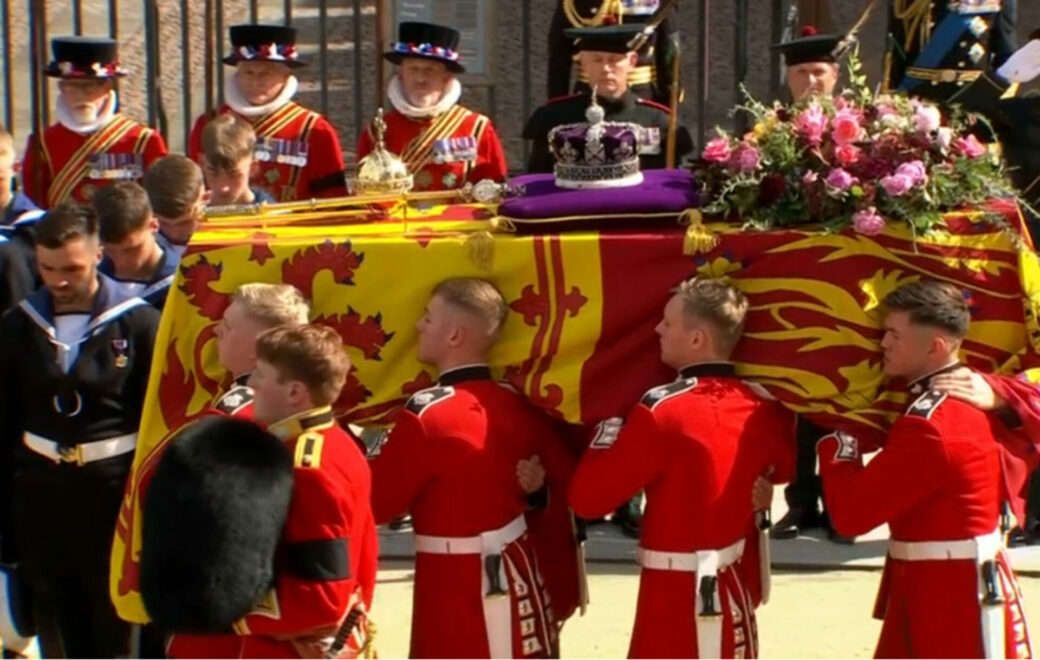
[927, 118]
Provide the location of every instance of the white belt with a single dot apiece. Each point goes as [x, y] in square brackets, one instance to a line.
[687, 562]
[498, 607]
[981, 549]
[706, 564]
[83, 453]
[488, 542]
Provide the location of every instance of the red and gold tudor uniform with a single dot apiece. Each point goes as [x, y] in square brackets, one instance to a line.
[71, 159]
[947, 589]
[327, 557]
[696, 446]
[298, 153]
[446, 146]
[451, 461]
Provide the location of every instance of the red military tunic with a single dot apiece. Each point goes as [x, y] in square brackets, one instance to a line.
[696, 446]
[66, 165]
[936, 480]
[327, 559]
[298, 155]
[445, 152]
[451, 461]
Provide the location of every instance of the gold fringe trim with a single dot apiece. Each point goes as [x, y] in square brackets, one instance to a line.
[698, 239]
[480, 246]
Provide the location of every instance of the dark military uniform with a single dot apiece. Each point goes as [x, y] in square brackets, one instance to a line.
[1016, 120]
[18, 277]
[947, 45]
[68, 425]
[155, 288]
[652, 77]
[627, 108]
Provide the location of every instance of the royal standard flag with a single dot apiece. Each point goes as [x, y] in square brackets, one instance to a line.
[579, 341]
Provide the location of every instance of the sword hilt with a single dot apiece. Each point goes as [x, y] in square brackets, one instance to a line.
[493, 568]
[991, 591]
[709, 587]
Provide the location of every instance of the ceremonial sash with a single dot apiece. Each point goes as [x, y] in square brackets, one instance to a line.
[944, 38]
[269, 125]
[76, 167]
[419, 150]
[289, 190]
[478, 132]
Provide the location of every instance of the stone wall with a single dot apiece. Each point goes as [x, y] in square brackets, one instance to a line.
[501, 93]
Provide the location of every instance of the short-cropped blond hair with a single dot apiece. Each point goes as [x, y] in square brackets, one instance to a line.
[273, 304]
[477, 297]
[719, 304]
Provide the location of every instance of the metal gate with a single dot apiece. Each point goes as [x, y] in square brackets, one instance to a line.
[174, 49]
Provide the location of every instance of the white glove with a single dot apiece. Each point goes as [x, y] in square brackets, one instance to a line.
[1023, 65]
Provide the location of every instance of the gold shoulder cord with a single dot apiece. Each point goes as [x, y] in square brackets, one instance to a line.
[917, 17]
[605, 8]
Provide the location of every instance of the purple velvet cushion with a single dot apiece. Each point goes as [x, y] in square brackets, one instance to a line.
[662, 192]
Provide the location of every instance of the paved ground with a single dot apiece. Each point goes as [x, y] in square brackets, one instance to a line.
[812, 614]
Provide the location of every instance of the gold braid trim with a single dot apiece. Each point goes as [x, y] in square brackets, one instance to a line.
[606, 8]
[916, 16]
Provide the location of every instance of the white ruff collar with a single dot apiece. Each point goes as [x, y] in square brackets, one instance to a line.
[239, 104]
[105, 114]
[395, 92]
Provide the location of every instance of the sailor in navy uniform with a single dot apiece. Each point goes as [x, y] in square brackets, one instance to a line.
[937, 48]
[75, 362]
[18, 277]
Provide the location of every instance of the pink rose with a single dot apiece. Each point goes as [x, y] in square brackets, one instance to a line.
[897, 185]
[915, 171]
[927, 118]
[812, 123]
[745, 159]
[970, 146]
[945, 137]
[839, 179]
[810, 177]
[717, 151]
[846, 127]
[868, 222]
[847, 154]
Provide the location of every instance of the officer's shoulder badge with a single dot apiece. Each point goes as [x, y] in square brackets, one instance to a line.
[926, 404]
[423, 400]
[308, 450]
[606, 433]
[658, 394]
[234, 400]
[654, 104]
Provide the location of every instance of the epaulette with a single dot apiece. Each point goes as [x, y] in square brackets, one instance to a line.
[308, 450]
[926, 404]
[423, 400]
[658, 394]
[234, 400]
[557, 99]
[654, 104]
[760, 391]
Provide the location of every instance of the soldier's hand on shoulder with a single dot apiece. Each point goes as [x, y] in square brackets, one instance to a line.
[968, 386]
